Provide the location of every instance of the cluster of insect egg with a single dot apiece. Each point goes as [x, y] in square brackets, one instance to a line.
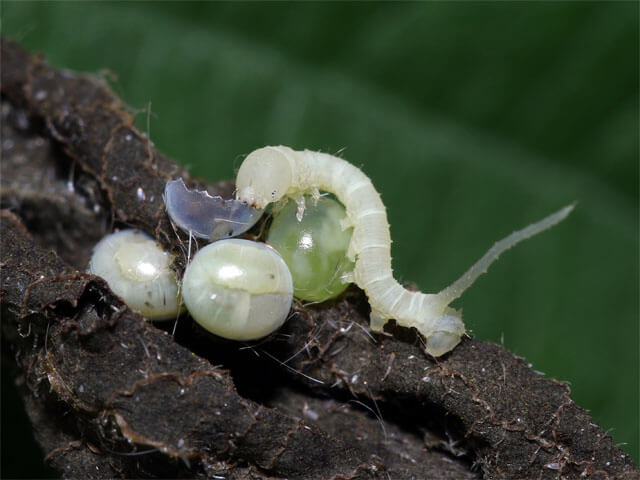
[243, 290]
[236, 289]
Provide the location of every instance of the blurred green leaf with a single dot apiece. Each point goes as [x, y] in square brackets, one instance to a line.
[472, 119]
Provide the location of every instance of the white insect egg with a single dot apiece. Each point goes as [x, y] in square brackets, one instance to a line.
[238, 289]
[139, 271]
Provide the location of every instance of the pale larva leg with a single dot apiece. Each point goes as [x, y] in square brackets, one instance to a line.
[377, 321]
[458, 287]
[301, 207]
[315, 194]
[346, 223]
[348, 277]
[445, 334]
[352, 250]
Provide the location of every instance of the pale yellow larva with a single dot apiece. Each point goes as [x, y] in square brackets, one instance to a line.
[271, 173]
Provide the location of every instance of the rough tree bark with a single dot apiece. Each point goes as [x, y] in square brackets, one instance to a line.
[110, 395]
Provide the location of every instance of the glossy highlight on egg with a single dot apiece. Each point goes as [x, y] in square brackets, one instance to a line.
[238, 289]
[139, 271]
[314, 247]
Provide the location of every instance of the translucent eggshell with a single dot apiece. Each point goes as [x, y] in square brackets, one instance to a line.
[204, 216]
[138, 271]
[314, 248]
[238, 289]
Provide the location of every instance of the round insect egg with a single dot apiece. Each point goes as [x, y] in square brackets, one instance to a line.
[139, 271]
[238, 289]
[314, 248]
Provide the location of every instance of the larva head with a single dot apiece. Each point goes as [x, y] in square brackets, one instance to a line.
[265, 176]
[446, 334]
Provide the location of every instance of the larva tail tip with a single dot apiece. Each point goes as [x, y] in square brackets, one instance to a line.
[448, 330]
[565, 211]
[440, 343]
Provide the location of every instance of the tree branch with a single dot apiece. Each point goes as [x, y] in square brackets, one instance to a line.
[107, 389]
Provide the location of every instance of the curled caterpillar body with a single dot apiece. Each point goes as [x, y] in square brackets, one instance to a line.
[271, 173]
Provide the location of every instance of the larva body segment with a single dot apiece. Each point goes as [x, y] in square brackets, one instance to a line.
[271, 173]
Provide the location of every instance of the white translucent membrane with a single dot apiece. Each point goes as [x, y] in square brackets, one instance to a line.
[208, 217]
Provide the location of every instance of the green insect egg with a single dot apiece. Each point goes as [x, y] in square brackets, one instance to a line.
[314, 248]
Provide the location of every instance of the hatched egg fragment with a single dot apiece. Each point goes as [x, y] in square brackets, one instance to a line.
[314, 248]
[238, 289]
[139, 271]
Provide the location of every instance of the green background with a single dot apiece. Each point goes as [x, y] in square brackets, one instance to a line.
[472, 119]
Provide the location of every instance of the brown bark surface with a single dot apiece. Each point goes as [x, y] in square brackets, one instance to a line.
[111, 395]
